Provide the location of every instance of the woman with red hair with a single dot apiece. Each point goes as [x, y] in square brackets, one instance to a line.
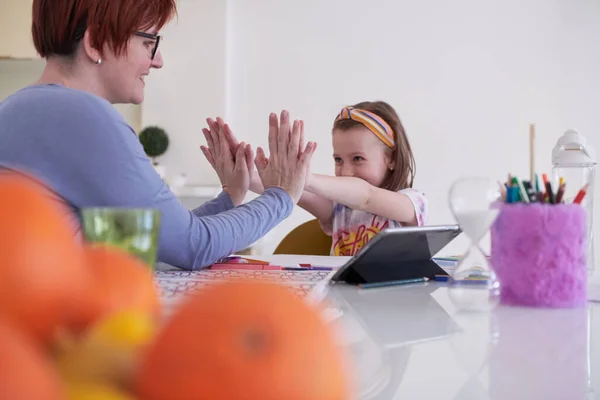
[63, 130]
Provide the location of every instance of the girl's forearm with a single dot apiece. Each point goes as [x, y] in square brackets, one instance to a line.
[360, 195]
[352, 192]
[318, 206]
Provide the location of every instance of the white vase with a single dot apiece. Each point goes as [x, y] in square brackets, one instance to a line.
[161, 170]
[179, 180]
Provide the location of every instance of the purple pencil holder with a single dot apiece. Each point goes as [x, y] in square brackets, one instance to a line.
[539, 255]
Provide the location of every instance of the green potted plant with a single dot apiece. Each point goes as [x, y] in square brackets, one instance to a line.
[155, 141]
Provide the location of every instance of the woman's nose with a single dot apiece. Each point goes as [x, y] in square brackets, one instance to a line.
[157, 61]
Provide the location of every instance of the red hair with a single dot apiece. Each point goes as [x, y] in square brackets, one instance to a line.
[58, 25]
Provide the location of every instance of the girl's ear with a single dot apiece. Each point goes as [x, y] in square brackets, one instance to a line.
[390, 161]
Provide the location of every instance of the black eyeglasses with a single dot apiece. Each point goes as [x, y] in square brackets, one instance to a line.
[156, 39]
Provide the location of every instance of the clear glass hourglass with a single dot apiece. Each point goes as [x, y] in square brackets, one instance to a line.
[474, 202]
[472, 348]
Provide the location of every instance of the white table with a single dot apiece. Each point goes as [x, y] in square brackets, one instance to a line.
[194, 196]
[410, 342]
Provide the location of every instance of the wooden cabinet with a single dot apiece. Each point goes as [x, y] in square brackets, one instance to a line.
[15, 30]
[20, 65]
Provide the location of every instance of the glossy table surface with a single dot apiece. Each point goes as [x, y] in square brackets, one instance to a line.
[410, 342]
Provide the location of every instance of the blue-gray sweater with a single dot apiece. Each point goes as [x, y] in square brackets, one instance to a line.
[84, 149]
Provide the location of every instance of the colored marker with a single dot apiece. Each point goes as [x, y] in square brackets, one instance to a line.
[307, 269]
[522, 191]
[241, 260]
[581, 194]
[549, 193]
[517, 195]
[391, 283]
[561, 190]
[541, 194]
[530, 192]
[450, 258]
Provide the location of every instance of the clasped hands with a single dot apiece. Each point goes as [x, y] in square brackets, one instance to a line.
[286, 166]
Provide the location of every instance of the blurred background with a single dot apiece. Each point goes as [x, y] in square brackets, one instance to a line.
[467, 78]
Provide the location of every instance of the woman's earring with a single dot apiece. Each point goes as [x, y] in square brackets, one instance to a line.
[98, 62]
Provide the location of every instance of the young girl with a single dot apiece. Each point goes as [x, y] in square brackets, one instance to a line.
[372, 189]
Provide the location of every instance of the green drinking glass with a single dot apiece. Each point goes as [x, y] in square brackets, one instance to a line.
[134, 230]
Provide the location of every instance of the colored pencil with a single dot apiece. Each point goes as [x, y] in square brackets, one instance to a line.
[581, 194]
[391, 283]
[561, 190]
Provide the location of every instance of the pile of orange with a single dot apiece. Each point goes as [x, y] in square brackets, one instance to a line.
[84, 322]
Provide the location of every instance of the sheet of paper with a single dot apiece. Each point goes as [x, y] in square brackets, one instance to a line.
[175, 285]
[447, 265]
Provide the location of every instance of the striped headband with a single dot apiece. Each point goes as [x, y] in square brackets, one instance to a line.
[371, 121]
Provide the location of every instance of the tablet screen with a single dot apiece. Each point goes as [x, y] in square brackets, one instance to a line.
[409, 244]
[398, 253]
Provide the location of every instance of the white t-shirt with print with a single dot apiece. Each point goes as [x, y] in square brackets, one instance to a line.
[352, 229]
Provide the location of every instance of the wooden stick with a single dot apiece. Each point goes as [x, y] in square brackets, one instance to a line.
[502, 191]
[532, 153]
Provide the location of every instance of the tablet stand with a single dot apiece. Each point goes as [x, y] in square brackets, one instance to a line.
[362, 272]
[398, 254]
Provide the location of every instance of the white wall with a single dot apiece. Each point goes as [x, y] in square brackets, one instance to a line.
[190, 87]
[466, 77]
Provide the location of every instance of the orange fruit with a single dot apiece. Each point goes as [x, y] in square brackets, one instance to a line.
[243, 340]
[42, 274]
[119, 282]
[25, 373]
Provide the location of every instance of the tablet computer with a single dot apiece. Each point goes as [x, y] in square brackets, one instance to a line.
[398, 253]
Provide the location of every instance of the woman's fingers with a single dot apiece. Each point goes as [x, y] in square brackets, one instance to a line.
[294, 144]
[283, 137]
[212, 127]
[249, 157]
[273, 133]
[230, 138]
[225, 151]
[214, 135]
[212, 124]
[240, 157]
[301, 146]
[260, 161]
[208, 155]
[208, 138]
